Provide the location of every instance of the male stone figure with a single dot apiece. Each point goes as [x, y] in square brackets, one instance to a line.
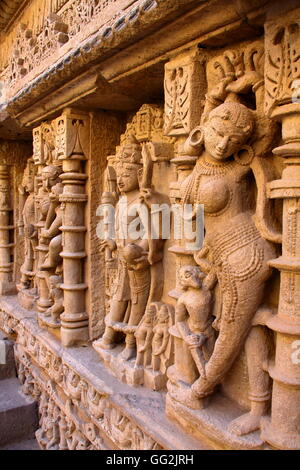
[139, 260]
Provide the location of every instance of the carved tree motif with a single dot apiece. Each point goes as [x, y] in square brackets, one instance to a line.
[282, 63]
[184, 90]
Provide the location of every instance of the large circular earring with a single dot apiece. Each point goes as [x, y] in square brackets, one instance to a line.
[194, 142]
[244, 155]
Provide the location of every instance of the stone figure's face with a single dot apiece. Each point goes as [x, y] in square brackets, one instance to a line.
[163, 314]
[150, 314]
[49, 177]
[54, 283]
[190, 276]
[127, 177]
[28, 182]
[228, 128]
[222, 138]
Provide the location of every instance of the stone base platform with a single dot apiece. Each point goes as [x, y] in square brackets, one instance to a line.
[127, 371]
[81, 404]
[212, 423]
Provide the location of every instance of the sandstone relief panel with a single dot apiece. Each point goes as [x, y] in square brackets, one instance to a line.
[53, 223]
[134, 258]
[189, 320]
[166, 240]
[220, 311]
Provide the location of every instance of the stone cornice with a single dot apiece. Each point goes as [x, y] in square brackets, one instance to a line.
[8, 8]
[142, 19]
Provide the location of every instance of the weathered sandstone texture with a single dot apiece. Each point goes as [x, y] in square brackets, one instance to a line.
[129, 131]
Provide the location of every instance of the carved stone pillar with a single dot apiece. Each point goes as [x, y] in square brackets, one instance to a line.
[184, 165]
[282, 431]
[6, 265]
[70, 150]
[185, 86]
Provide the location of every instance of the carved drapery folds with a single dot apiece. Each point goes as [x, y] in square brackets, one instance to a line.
[53, 193]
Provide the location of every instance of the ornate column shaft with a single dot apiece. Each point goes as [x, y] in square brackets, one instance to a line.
[185, 86]
[74, 320]
[282, 431]
[6, 265]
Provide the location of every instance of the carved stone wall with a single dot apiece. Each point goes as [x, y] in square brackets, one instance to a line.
[161, 235]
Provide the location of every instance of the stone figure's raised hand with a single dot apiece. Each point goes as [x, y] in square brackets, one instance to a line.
[245, 83]
[195, 339]
[111, 244]
[220, 91]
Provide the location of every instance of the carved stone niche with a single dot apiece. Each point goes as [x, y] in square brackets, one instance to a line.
[134, 264]
[40, 220]
[12, 155]
[221, 309]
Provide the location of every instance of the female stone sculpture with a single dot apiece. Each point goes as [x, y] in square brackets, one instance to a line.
[236, 249]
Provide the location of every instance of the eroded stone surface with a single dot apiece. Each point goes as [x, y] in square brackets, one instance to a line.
[128, 336]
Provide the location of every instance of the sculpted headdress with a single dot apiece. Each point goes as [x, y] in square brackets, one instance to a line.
[130, 152]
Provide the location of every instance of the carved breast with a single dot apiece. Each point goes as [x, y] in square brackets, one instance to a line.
[214, 194]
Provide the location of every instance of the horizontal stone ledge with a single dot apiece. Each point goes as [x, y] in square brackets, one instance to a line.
[74, 287]
[7, 227]
[75, 255]
[71, 228]
[285, 263]
[280, 376]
